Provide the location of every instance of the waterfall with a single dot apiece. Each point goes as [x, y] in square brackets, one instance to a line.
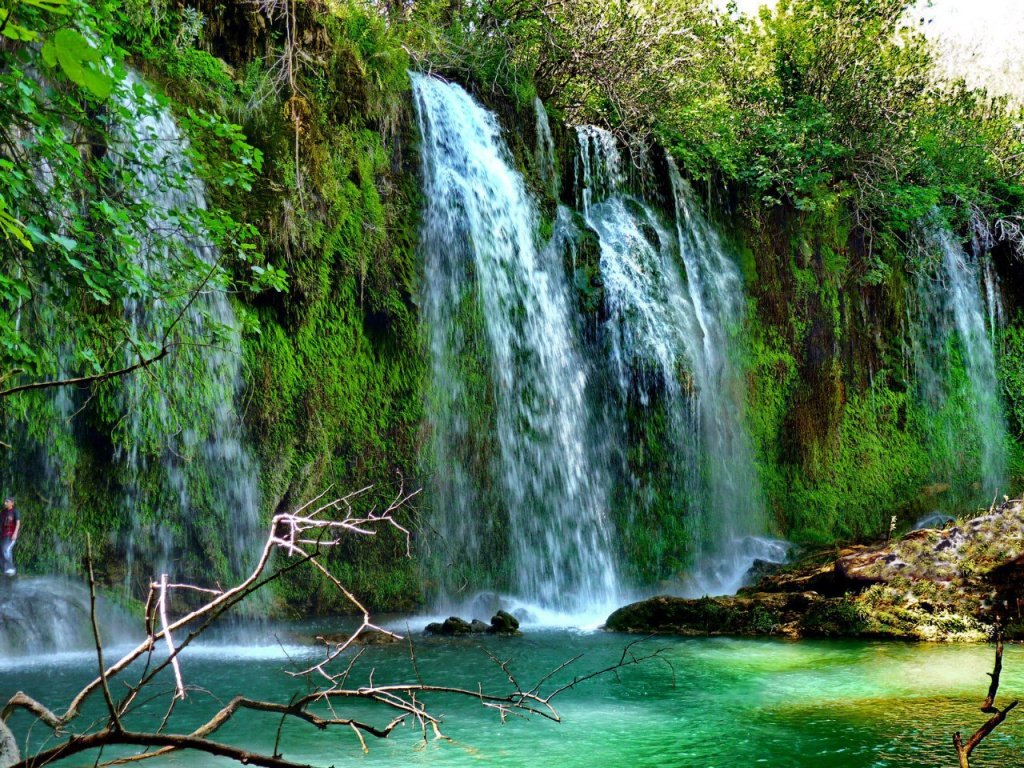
[504, 358]
[190, 483]
[545, 150]
[735, 516]
[956, 361]
[41, 465]
[669, 339]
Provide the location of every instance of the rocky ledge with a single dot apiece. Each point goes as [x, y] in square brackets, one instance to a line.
[954, 583]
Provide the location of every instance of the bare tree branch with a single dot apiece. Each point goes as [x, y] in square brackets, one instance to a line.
[115, 720]
[963, 750]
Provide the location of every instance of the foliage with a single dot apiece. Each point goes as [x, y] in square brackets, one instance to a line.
[73, 187]
[1011, 375]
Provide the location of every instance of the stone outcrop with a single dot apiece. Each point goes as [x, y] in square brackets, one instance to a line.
[953, 583]
[792, 614]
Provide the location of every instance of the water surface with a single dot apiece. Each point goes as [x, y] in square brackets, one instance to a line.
[703, 702]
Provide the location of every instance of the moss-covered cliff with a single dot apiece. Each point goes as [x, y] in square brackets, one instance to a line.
[308, 104]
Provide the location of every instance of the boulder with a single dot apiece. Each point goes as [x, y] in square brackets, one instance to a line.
[453, 626]
[504, 623]
[761, 568]
[751, 614]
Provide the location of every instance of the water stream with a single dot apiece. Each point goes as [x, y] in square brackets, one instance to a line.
[675, 302]
[545, 150]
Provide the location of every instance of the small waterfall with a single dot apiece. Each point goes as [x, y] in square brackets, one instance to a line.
[545, 150]
[668, 341]
[184, 459]
[598, 167]
[993, 299]
[41, 465]
[953, 330]
[715, 289]
[491, 294]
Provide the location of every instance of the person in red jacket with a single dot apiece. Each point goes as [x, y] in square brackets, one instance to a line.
[10, 527]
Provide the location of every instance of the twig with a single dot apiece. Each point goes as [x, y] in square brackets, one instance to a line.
[963, 750]
[162, 604]
[115, 720]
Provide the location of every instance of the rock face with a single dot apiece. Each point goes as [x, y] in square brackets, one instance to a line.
[502, 623]
[950, 584]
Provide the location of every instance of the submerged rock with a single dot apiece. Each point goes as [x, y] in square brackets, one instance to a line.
[950, 584]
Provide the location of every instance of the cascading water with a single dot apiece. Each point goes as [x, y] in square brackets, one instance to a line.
[42, 460]
[670, 338]
[956, 360]
[491, 294]
[184, 459]
[734, 515]
[545, 151]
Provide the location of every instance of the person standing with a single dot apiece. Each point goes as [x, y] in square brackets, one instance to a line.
[10, 527]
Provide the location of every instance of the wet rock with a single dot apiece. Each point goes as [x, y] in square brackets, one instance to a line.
[504, 623]
[812, 576]
[478, 626]
[40, 615]
[759, 569]
[453, 626]
[948, 584]
[750, 614]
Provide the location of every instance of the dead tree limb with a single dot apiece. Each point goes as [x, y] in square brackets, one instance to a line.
[964, 750]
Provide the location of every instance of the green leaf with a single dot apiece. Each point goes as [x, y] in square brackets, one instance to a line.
[50, 6]
[14, 31]
[79, 61]
[67, 243]
[11, 227]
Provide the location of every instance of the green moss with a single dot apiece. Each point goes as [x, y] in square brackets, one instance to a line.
[834, 618]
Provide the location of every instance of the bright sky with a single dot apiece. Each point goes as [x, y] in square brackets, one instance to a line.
[983, 39]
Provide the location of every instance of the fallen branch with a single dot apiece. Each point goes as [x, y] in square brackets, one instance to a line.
[964, 750]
